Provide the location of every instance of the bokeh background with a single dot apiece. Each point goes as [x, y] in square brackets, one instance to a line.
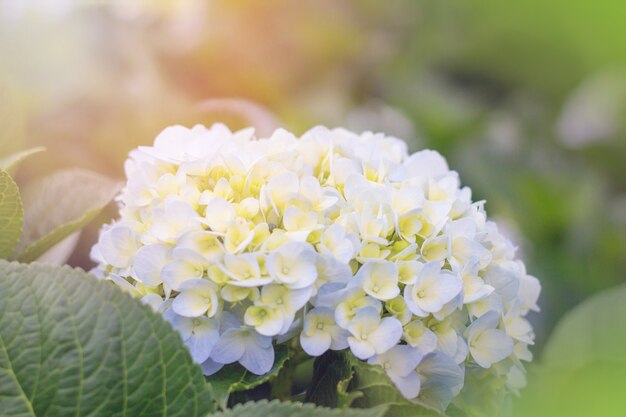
[526, 99]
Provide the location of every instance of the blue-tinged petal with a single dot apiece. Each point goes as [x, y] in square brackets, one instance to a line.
[230, 347]
[408, 385]
[205, 335]
[210, 367]
[257, 359]
[316, 343]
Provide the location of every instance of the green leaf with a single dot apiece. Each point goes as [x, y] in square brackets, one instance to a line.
[331, 378]
[595, 331]
[234, 377]
[590, 391]
[583, 363]
[10, 162]
[60, 204]
[71, 345]
[287, 409]
[11, 215]
[341, 380]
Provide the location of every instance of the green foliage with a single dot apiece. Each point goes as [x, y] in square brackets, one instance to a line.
[593, 332]
[11, 215]
[551, 57]
[73, 345]
[234, 377]
[482, 395]
[331, 378]
[583, 362]
[590, 391]
[9, 162]
[286, 409]
[60, 204]
[341, 380]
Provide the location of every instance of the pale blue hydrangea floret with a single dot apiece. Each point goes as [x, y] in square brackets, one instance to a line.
[340, 240]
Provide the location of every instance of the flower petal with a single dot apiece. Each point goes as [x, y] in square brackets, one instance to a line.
[148, 263]
[315, 344]
[408, 385]
[386, 335]
[210, 367]
[360, 349]
[202, 340]
[190, 304]
[257, 359]
[230, 347]
[491, 346]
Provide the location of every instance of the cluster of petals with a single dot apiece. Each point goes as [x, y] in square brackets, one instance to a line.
[339, 240]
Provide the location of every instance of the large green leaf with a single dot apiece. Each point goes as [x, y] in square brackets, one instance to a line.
[342, 380]
[595, 331]
[583, 363]
[10, 162]
[234, 377]
[286, 409]
[71, 345]
[591, 391]
[60, 204]
[11, 215]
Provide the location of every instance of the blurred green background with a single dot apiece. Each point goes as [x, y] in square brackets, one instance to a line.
[527, 100]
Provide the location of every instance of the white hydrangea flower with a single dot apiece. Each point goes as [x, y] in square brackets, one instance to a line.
[341, 240]
[149, 263]
[197, 297]
[320, 332]
[441, 379]
[354, 300]
[336, 242]
[244, 345]
[400, 363]
[275, 310]
[293, 264]
[416, 334]
[186, 265]
[372, 335]
[379, 280]
[432, 289]
[118, 245]
[487, 343]
[244, 270]
[199, 333]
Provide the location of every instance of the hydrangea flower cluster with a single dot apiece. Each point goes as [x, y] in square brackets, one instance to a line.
[341, 240]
